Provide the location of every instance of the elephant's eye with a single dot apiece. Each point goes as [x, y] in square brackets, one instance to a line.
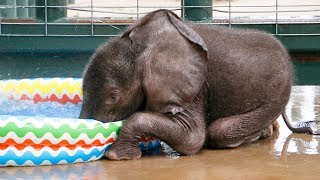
[113, 97]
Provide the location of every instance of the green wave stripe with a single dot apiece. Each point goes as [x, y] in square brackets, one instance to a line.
[57, 133]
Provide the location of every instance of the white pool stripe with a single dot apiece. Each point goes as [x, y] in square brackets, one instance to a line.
[39, 122]
[66, 136]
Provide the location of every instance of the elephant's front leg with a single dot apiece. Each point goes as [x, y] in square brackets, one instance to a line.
[183, 133]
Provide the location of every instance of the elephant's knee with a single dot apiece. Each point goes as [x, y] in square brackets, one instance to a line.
[133, 125]
[267, 132]
[186, 142]
[224, 140]
[192, 143]
[137, 121]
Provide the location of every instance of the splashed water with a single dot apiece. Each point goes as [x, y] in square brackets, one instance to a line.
[3, 97]
[43, 109]
[315, 127]
[168, 151]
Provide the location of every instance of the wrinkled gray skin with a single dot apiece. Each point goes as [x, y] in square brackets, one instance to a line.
[188, 85]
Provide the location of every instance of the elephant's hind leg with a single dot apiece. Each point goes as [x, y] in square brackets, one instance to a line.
[239, 129]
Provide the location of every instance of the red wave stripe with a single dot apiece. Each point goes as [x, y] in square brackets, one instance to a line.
[23, 97]
[37, 98]
[64, 99]
[47, 143]
[52, 98]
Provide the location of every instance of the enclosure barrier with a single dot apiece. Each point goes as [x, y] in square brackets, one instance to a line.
[38, 25]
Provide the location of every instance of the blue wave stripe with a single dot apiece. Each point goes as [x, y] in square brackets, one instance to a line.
[150, 145]
[63, 155]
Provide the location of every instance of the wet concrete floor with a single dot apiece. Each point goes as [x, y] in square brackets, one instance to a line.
[284, 156]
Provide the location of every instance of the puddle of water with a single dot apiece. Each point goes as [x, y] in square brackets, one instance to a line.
[42, 109]
[304, 105]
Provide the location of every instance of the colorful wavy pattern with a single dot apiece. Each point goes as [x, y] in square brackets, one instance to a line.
[29, 141]
[61, 90]
[46, 156]
[32, 141]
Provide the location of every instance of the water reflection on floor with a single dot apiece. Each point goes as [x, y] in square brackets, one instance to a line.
[284, 156]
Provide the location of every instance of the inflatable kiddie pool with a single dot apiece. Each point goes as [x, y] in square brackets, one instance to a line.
[39, 125]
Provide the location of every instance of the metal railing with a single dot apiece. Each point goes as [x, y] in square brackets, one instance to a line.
[41, 17]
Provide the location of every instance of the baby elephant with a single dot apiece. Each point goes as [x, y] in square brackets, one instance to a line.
[188, 85]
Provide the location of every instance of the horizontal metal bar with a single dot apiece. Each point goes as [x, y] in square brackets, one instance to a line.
[22, 35]
[214, 10]
[114, 35]
[70, 24]
[29, 23]
[244, 21]
[89, 35]
[67, 24]
[112, 12]
[101, 35]
[11, 6]
[176, 8]
[56, 35]
[87, 6]
[224, 11]
[255, 23]
[315, 34]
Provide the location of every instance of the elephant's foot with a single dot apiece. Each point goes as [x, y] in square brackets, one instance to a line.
[123, 151]
[267, 132]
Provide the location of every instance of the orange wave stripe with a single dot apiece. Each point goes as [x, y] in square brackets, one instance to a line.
[47, 143]
[52, 98]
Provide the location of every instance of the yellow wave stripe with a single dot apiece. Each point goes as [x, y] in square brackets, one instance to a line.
[43, 87]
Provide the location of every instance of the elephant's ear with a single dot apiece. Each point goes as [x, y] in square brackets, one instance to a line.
[175, 66]
[140, 23]
[188, 32]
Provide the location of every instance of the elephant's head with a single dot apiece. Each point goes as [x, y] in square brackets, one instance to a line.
[158, 65]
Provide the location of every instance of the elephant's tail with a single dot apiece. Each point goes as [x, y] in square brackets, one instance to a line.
[301, 127]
